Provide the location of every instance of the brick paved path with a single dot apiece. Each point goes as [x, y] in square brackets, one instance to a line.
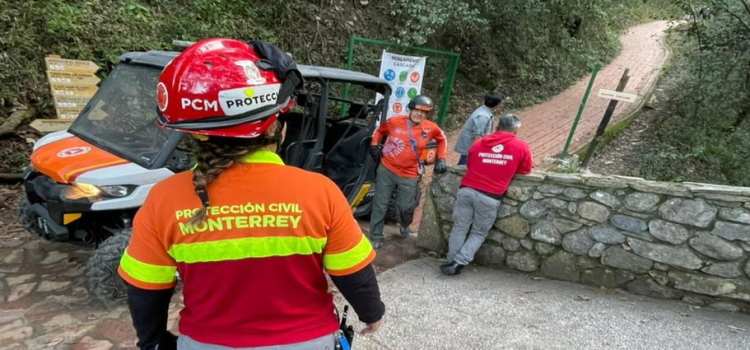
[546, 126]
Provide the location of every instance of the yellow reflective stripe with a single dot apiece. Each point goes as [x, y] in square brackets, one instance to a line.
[146, 272]
[242, 248]
[349, 258]
[263, 156]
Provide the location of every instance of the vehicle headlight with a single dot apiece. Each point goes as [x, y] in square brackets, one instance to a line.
[80, 190]
[116, 190]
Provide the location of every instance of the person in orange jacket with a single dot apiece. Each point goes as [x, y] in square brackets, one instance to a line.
[401, 167]
[251, 238]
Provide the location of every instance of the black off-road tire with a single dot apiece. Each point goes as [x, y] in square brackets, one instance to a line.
[101, 272]
[27, 218]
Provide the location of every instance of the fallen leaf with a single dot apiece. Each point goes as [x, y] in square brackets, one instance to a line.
[582, 298]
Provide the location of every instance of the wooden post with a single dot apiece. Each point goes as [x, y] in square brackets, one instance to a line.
[605, 119]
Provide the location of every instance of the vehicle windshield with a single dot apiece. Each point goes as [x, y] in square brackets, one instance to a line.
[120, 118]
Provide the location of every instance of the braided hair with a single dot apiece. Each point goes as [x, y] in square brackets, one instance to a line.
[217, 154]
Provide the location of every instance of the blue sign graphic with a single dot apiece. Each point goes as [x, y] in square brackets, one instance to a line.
[389, 75]
[400, 92]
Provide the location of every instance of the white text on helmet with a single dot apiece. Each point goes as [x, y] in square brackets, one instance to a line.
[199, 104]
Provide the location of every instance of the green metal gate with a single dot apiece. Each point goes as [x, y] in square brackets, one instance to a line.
[439, 75]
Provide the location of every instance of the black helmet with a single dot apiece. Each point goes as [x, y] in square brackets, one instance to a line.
[421, 102]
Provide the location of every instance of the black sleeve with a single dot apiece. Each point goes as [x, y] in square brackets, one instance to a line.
[150, 311]
[361, 291]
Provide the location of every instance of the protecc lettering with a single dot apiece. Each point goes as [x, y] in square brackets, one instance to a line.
[243, 100]
[249, 101]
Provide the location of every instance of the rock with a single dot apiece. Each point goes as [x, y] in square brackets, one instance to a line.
[695, 212]
[14, 258]
[562, 266]
[544, 248]
[20, 291]
[545, 231]
[53, 257]
[629, 224]
[554, 203]
[490, 255]
[725, 204]
[644, 285]
[520, 194]
[701, 284]
[675, 256]
[599, 276]
[660, 277]
[16, 280]
[585, 263]
[58, 321]
[643, 236]
[449, 182]
[661, 267]
[724, 306]
[622, 277]
[523, 261]
[510, 202]
[668, 232]
[567, 179]
[495, 236]
[88, 343]
[15, 331]
[515, 226]
[605, 198]
[578, 242]
[506, 211]
[572, 208]
[49, 286]
[444, 204]
[532, 210]
[619, 258]
[728, 270]
[533, 177]
[746, 269]
[574, 193]
[565, 226]
[527, 244]
[715, 247]
[593, 211]
[510, 244]
[642, 202]
[732, 232]
[696, 300]
[114, 329]
[446, 231]
[606, 234]
[551, 189]
[429, 236]
[538, 195]
[670, 189]
[735, 214]
[604, 181]
[596, 250]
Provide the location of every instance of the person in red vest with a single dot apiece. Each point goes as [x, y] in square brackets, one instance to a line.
[401, 167]
[491, 164]
[251, 238]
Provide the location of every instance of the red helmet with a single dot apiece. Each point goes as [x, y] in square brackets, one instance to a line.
[224, 87]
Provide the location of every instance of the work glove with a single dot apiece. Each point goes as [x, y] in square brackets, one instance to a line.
[376, 152]
[440, 166]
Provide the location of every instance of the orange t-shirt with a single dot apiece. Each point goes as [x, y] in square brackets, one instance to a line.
[398, 154]
[252, 272]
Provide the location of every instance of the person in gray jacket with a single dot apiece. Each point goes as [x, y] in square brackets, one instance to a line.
[478, 125]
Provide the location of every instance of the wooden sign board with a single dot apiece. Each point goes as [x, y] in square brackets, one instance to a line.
[617, 95]
[72, 84]
[50, 125]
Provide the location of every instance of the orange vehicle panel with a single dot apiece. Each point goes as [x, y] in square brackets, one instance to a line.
[68, 158]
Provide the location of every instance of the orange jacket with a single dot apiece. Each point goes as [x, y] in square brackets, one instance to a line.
[398, 155]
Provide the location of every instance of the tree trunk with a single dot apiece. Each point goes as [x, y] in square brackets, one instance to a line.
[11, 124]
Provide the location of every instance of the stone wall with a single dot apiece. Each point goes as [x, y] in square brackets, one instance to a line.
[685, 241]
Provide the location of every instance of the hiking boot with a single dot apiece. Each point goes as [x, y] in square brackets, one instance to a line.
[452, 268]
[405, 232]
